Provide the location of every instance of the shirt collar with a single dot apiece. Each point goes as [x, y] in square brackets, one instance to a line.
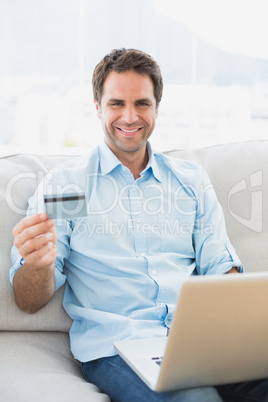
[152, 163]
[108, 161]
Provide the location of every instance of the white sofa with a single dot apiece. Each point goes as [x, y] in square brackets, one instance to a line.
[36, 363]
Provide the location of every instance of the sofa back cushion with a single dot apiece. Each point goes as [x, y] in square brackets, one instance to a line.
[19, 176]
[239, 175]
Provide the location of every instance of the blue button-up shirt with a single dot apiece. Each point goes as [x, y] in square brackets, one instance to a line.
[125, 262]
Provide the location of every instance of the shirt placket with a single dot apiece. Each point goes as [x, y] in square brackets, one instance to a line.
[136, 220]
[138, 225]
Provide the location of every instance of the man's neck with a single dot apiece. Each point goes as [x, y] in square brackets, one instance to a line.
[136, 161]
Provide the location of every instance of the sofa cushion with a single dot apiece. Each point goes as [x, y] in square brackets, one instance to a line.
[39, 367]
[19, 175]
[239, 173]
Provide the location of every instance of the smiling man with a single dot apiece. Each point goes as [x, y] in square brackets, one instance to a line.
[128, 111]
[152, 222]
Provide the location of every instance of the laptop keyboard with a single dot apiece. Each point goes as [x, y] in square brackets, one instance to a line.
[157, 360]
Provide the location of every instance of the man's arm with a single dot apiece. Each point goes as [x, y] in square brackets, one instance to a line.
[34, 285]
[233, 270]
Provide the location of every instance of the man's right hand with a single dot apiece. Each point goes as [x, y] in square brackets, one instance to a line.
[34, 284]
[35, 237]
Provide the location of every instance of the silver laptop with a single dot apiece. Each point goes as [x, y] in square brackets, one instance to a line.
[219, 335]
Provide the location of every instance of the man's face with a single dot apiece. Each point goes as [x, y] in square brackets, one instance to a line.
[127, 111]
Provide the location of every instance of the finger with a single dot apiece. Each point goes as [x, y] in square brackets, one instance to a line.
[42, 257]
[29, 221]
[31, 232]
[35, 244]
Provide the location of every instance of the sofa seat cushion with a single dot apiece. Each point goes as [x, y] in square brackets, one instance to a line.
[38, 366]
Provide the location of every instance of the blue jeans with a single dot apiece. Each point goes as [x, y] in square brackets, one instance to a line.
[116, 379]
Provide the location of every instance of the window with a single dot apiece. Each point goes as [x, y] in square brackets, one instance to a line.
[213, 55]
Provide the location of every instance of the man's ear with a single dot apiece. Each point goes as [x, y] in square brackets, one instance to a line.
[98, 109]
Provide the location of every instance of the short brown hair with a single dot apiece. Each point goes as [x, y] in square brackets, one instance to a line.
[121, 60]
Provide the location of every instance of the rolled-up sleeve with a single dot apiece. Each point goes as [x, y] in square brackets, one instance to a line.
[18, 261]
[214, 252]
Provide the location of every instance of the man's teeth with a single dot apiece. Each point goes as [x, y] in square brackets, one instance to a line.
[130, 131]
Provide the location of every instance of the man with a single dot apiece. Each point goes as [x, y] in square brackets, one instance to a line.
[152, 222]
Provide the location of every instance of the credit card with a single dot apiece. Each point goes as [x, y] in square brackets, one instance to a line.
[65, 206]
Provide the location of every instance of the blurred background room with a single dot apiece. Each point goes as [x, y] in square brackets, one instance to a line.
[213, 55]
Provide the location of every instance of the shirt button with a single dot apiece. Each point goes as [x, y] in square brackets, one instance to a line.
[143, 254]
[154, 273]
[133, 189]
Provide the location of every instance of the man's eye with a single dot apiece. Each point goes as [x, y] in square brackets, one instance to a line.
[116, 104]
[143, 104]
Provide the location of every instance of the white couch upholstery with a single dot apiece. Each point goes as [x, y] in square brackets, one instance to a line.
[36, 363]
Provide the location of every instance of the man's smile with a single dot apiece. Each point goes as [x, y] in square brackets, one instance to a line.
[127, 131]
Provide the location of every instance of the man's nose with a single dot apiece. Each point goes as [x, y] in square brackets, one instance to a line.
[130, 114]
